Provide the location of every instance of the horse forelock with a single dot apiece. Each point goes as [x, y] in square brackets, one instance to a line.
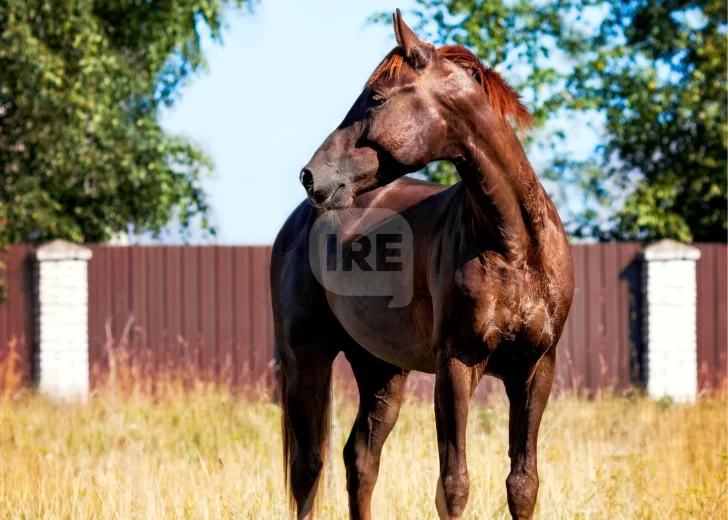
[389, 67]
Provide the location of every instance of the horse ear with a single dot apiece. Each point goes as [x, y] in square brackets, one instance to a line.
[416, 51]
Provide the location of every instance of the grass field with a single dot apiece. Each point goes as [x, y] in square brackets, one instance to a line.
[207, 455]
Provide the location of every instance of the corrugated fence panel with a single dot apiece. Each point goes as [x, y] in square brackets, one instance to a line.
[609, 299]
[208, 304]
[224, 280]
[262, 344]
[190, 307]
[594, 289]
[16, 316]
[600, 337]
[720, 316]
[173, 332]
[579, 315]
[138, 291]
[4, 334]
[121, 288]
[202, 309]
[242, 315]
[100, 309]
[154, 265]
[712, 280]
[208, 309]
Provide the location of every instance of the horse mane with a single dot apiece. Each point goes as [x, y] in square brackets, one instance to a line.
[501, 96]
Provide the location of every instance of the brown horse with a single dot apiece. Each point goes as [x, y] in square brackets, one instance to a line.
[491, 275]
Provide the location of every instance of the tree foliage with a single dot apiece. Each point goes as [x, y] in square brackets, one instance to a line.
[82, 153]
[650, 75]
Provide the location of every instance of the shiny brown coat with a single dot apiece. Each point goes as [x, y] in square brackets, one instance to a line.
[492, 276]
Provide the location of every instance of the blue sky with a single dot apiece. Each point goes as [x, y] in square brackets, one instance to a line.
[280, 83]
[282, 80]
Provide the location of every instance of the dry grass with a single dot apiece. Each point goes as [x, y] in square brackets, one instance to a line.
[205, 454]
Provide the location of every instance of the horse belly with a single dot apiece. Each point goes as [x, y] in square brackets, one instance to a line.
[391, 334]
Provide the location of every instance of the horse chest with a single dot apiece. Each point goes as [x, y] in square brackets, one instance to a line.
[494, 303]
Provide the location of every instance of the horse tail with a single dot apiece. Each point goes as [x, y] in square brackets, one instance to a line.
[289, 439]
[324, 432]
[286, 435]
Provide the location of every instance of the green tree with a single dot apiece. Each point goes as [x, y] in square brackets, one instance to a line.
[82, 153]
[650, 74]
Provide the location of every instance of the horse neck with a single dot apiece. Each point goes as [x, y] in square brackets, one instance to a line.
[505, 197]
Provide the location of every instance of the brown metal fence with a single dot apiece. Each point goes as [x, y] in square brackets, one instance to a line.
[712, 286]
[209, 308]
[16, 317]
[202, 307]
[601, 340]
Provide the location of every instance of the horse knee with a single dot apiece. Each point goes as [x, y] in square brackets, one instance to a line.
[455, 491]
[522, 491]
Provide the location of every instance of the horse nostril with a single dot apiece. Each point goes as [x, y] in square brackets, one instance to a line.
[307, 179]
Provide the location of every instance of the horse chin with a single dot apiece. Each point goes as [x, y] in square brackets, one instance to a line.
[340, 203]
[340, 198]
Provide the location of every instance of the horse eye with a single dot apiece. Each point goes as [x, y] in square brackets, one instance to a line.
[376, 99]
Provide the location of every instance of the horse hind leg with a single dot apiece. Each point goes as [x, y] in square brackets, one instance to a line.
[528, 394]
[305, 390]
[380, 396]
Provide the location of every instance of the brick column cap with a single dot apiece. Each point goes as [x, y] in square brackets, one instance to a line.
[61, 250]
[668, 249]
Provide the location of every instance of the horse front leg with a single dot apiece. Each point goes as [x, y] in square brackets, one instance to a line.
[455, 383]
[528, 392]
[380, 396]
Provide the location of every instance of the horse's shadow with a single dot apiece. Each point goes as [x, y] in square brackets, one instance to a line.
[632, 275]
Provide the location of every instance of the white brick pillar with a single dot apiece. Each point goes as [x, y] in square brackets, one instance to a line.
[61, 319]
[669, 302]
